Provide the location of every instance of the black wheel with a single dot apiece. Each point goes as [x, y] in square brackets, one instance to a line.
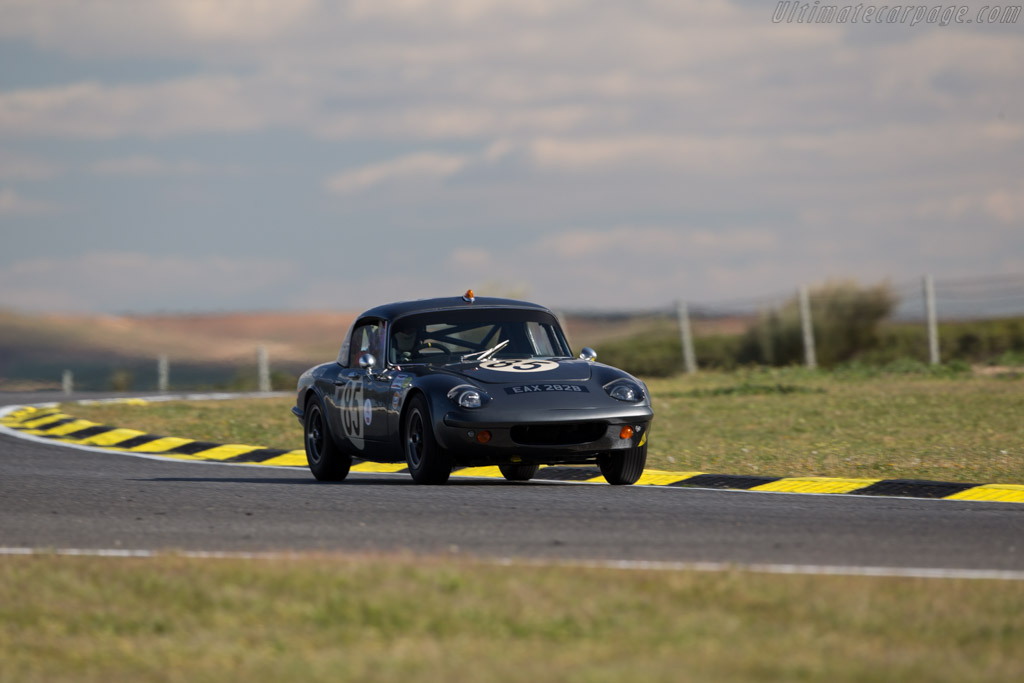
[623, 467]
[326, 461]
[518, 472]
[428, 462]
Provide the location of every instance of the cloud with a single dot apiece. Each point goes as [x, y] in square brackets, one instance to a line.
[19, 166]
[651, 242]
[122, 281]
[472, 257]
[468, 69]
[153, 28]
[1004, 205]
[13, 204]
[413, 168]
[147, 166]
[649, 265]
[201, 104]
[700, 145]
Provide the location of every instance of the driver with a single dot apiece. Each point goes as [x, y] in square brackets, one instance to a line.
[404, 343]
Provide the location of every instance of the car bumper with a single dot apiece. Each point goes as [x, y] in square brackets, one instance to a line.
[571, 437]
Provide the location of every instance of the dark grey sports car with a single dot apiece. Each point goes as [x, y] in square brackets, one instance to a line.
[466, 381]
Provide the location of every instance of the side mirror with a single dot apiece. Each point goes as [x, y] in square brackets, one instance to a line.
[588, 353]
[367, 361]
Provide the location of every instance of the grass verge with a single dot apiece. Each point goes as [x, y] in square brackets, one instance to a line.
[787, 422]
[439, 619]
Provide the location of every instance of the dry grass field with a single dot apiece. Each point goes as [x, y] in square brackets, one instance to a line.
[412, 619]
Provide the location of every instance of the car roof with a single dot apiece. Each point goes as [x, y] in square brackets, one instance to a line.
[401, 308]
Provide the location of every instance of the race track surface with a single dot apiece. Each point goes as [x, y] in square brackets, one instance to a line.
[56, 497]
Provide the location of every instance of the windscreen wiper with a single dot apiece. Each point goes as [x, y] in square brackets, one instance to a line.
[484, 355]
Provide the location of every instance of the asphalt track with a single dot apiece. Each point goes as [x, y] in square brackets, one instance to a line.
[56, 497]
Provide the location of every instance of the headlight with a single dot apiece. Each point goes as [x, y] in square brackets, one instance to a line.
[625, 390]
[466, 396]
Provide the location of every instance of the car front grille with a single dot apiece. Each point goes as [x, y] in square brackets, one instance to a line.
[558, 434]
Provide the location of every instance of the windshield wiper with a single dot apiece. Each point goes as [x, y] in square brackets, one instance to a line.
[484, 355]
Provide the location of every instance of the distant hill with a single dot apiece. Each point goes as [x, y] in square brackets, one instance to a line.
[35, 349]
[218, 350]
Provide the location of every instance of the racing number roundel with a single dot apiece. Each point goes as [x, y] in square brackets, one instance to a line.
[352, 412]
[524, 365]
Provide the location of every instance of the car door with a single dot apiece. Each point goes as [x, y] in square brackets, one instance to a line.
[359, 408]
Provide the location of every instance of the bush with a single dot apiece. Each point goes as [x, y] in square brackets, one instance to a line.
[651, 355]
[660, 353]
[846, 320]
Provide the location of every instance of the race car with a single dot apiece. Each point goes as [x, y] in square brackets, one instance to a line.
[470, 381]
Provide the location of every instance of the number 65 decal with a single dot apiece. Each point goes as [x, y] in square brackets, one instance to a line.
[352, 412]
[522, 365]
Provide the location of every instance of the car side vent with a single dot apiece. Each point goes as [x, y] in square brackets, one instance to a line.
[558, 434]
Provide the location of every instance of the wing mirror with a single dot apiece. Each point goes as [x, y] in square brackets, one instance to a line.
[367, 361]
[588, 353]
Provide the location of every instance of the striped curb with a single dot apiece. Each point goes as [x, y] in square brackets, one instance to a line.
[51, 423]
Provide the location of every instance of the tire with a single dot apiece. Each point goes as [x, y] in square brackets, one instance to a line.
[326, 461]
[623, 467]
[518, 472]
[428, 462]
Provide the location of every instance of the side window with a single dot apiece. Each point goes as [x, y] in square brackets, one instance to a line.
[365, 339]
[540, 338]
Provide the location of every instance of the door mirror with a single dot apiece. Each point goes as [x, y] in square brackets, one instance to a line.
[367, 361]
[588, 353]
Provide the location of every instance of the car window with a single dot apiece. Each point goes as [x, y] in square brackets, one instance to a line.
[365, 339]
[541, 338]
[446, 336]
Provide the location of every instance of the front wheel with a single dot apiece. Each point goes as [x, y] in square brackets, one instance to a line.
[518, 472]
[623, 467]
[326, 461]
[428, 462]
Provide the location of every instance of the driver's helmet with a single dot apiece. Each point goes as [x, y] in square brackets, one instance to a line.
[405, 339]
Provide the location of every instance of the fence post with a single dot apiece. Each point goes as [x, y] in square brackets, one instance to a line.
[933, 323]
[807, 325]
[767, 328]
[67, 382]
[263, 368]
[686, 337]
[163, 373]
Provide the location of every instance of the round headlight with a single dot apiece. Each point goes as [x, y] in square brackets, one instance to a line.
[467, 396]
[470, 399]
[625, 390]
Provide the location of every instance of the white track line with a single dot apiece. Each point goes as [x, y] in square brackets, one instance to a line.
[617, 565]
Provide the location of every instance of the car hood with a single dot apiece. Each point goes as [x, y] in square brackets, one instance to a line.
[511, 371]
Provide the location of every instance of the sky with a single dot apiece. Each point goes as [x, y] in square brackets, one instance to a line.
[193, 155]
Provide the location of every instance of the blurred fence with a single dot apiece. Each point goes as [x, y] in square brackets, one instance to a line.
[921, 321]
[969, 320]
[159, 374]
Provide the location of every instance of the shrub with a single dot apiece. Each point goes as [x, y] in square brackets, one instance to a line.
[846, 319]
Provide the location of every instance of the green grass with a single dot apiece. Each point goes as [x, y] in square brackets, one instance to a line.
[319, 618]
[793, 422]
[785, 422]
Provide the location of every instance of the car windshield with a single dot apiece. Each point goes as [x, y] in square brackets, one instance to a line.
[451, 336]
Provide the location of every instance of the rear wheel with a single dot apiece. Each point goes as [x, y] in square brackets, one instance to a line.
[326, 461]
[519, 472]
[623, 467]
[428, 462]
